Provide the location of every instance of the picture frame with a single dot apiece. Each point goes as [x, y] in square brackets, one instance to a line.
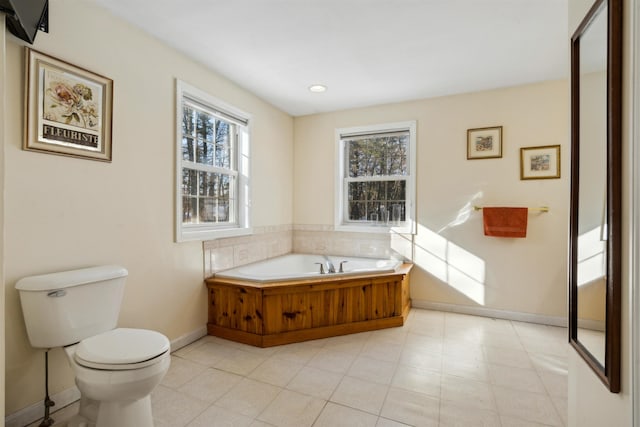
[68, 109]
[542, 162]
[484, 143]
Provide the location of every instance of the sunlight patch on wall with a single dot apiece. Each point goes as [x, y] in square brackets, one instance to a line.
[450, 263]
[591, 256]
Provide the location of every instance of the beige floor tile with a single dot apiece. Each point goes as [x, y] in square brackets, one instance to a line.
[465, 368]
[454, 415]
[517, 422]
[527, 406]
[239, 362]
[550, 363]
[334, 415]
[395, 336]
[210, 385]
[562, 407]
[411, 408]
[209, 353]
[418, 380]
[220, 417]
[384, 422]
[462, 350]
[249, 397]
[467, 392]
[315, 382]
[418, 359]
[376, 371]
[258, 423]
[345, 369]
[506, 341]
[555, 384]
[359, 394]
[516, 378]
[544, 345]
[380, 348]
[292, 409]
[433, 331]
[173, 408]
[181, 371]
[276, 371]
[507, 357]
[333, 361]
[299, 352]
[424, 344]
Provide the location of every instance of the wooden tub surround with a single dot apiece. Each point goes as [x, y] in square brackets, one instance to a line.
[268, 314]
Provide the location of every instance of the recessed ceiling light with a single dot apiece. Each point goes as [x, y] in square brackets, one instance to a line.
[317, 88]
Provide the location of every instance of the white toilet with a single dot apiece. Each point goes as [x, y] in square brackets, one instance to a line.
[115, 369]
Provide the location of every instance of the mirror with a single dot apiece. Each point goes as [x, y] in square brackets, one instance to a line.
[595, 224]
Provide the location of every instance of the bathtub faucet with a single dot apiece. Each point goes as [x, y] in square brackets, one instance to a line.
[330, 267]
[321, 267]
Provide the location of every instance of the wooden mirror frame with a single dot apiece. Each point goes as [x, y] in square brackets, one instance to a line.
[609, 373]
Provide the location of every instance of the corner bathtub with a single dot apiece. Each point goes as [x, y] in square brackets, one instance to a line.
[285, 299]
[301, 266]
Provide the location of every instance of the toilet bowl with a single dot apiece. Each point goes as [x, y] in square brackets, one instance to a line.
[115, 372]
[115, 369]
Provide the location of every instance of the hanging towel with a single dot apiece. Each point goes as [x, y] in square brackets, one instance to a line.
[505, 222]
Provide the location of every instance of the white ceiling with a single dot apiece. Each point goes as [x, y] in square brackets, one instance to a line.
[367, 52]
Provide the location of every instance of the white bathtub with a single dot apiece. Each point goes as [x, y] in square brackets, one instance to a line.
[302, 266]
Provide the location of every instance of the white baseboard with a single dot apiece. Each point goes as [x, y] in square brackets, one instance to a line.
[66, 397]
[35, 412]
[188, 338]
[491, 312]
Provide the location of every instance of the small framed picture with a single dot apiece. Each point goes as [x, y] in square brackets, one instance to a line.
[484, 143]
[68, 109]
[540, 162]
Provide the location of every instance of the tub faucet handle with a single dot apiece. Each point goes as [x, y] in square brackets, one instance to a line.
[341, 270]
[321, 267]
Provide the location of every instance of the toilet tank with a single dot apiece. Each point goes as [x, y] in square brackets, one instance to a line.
[66, 307]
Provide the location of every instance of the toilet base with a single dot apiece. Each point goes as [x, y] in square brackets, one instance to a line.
[135, 413]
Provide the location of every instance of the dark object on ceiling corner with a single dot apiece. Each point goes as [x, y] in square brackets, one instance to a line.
[26, 17]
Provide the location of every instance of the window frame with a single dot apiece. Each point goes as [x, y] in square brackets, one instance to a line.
[242, 124]
[340, 221]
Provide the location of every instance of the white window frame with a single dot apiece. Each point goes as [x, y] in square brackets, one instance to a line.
[341, 224]
[242, 120]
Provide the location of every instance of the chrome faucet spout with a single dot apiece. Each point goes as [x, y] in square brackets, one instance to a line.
[330, 267]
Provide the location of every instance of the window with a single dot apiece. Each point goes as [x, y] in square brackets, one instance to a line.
[376, 185]
[212, 167]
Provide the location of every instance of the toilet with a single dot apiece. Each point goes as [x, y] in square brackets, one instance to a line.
[116, 369]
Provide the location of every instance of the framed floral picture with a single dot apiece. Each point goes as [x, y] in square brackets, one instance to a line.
[484, 143]
[540, 162]
[68, 109]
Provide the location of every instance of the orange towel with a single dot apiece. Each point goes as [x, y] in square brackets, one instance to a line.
[505, 222]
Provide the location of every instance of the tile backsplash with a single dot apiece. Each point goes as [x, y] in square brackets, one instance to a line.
[273, 241]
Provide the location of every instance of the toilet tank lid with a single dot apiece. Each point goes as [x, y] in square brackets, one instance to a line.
[67, 279]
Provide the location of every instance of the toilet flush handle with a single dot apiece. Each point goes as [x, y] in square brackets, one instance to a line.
[57, 294]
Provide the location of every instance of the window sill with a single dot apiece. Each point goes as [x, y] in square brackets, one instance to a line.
[188, 235]
[376, 229]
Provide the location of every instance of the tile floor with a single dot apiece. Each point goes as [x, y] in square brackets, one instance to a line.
[439, 369]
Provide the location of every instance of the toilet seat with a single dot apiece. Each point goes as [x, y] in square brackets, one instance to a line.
[122, 349]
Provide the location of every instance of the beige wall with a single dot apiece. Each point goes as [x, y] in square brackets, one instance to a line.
[64, 213]
[455, 262]
[590, 403]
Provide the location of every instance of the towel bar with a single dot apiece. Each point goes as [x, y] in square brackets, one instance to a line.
[540, 209]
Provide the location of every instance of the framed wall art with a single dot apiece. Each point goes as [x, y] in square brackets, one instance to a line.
[540, 162]
[484, 143]
[68, 109]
